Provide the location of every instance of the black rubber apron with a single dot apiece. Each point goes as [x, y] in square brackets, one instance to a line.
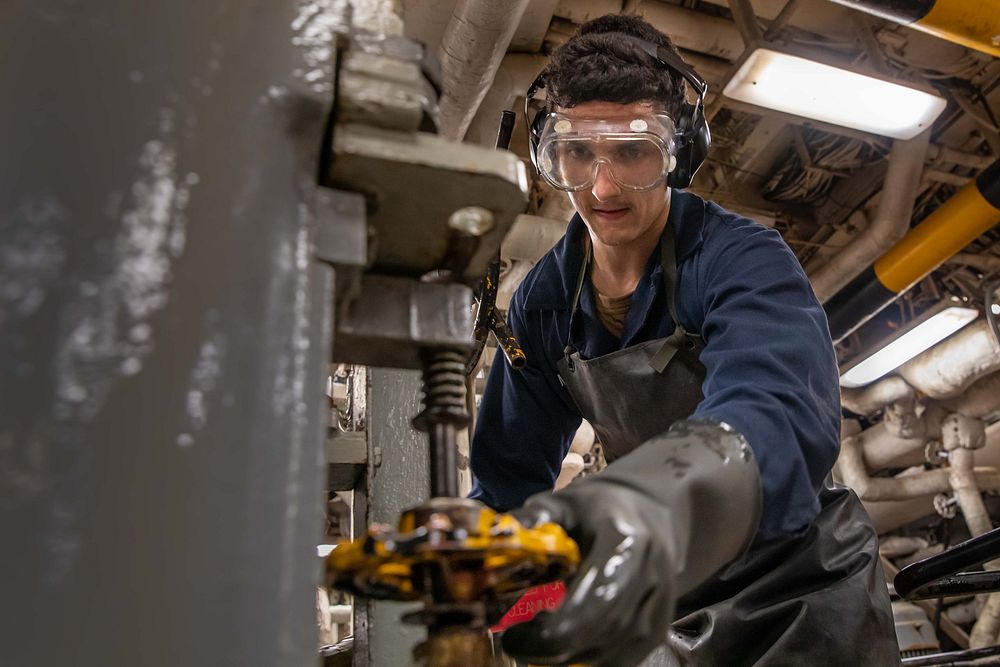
[817, 599]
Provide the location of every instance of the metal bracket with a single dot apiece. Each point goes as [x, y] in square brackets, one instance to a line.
[415, 183]
[396, 317]
[346, 455]
[342, 238]
[342, 230]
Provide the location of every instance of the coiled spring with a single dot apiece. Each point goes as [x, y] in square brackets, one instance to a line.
[444, 390]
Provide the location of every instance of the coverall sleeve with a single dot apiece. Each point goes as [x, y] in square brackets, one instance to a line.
[524, 427]
[771, 369]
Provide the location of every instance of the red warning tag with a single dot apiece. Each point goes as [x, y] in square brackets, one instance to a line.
[540, 598]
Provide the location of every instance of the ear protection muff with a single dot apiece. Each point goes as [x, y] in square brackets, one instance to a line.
[693, 138]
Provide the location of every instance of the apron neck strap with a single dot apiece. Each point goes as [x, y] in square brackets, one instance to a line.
[575, 304]
[668, 262]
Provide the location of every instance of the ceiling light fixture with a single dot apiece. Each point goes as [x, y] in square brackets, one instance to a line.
[804, 87]
[921, 337]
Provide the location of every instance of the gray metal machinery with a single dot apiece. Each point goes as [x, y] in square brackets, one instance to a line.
[422, 218]
[170, 173]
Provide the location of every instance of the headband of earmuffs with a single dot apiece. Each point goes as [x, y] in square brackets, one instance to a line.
[693, 138]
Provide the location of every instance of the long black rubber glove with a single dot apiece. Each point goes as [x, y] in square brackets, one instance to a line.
[652, 526]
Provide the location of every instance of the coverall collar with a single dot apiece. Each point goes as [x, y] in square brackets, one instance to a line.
[554, 286]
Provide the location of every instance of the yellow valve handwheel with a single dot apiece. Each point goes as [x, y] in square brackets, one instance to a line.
[455, 535]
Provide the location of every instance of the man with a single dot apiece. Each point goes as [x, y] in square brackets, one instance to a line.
[691, 340]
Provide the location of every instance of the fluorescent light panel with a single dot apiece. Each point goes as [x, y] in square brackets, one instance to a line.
[909, 345]
[807, 88]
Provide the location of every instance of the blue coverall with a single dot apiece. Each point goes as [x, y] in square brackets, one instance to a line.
[771, 369]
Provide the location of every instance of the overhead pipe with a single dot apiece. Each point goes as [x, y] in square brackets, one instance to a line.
[531, 236]
[780, 21]
[984, 263]
[512, 78]
[902, 487]
[964, 371]
[883, 447]
[695, 31]
[892, 514]
[745, 20]
[979, 400]
[961, 436]
[949, 367]
[875, 396]
[889, 515]
[956, 223]
[895, 397]
[891, 222]
[474, 43]
[937, 152]
[971, 23]
[961, 376]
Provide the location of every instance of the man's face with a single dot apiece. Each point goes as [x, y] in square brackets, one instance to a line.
[617, 216]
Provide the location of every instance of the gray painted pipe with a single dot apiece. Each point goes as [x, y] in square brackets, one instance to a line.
[163, 333]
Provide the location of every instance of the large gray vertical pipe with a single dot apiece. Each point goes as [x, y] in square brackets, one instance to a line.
[163, 332]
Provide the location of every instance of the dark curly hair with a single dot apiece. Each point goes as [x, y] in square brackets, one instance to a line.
[600, 63]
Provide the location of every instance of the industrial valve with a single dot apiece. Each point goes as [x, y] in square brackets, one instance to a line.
[464, 561]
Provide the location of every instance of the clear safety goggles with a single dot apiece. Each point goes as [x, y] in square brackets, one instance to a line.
[636, 152]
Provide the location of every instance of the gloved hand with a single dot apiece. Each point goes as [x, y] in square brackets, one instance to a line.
[651, 527]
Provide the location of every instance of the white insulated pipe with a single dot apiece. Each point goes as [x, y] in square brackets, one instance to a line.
[874, 397]
[851, 467]
[573, 464]
[961, 374]
[895, 397]
[695, 31]
[530, 237]
[884, 447]
[891, 514]
[985, 263]
[980, 399]
[961, 436]
[474, 43]
[891, 221]
[513, 77]
[948, 368]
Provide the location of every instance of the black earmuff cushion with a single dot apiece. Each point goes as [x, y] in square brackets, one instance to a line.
[692, 148]
[534, 132]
